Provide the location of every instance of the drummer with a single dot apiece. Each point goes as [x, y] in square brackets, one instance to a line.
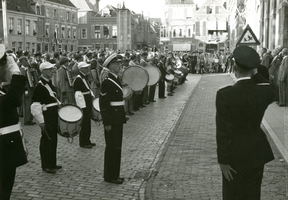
[45, 109]
[112, 111]
[144, 94]
[84, 97]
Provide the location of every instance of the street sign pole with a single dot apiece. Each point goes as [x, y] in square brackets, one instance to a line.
[5, 29]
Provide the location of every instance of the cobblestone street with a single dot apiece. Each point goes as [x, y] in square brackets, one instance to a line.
[145, 136]
[188, 169]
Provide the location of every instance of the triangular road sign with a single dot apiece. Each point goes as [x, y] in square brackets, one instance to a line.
[248, 37]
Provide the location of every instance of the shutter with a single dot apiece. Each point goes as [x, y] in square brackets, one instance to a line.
[204, 29]
[197, 28]
[217, 9]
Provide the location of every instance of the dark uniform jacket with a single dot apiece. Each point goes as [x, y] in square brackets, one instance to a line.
[12, 153]
[110, 92]
[241, 143]
[79, 85]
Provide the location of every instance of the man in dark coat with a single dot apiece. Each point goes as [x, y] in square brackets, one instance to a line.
[242, 146]
[12, 147]
[45, 109]
[113, 113]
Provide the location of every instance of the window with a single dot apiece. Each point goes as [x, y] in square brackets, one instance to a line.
[114, 32]
[174, 33]
[33, 47]
[74, 33]
[189, 32]
[19, 46]
[61, 15]
[14, 46]
[67, 16]
[27, 46]
[72, 47]
[209, 10]
[105, 32]
[47, 12]
[46, 47]
[19, 26]
[34, 28]
[189, 13]
[11, 25]
[68, 31]
[180, 32]
[55, 14]
[38, 10]
[63, 31]
[161, 35]
[47, 30]
[97, 46]
[74, 17]
[83, 33]
[164, 33]
[27, 27]
[97, 32]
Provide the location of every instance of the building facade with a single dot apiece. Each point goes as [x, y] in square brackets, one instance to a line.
[267, 18]
[23, 26]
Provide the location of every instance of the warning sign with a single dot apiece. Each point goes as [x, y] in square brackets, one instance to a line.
[248, 37]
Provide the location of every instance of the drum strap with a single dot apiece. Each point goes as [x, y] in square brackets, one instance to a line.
[50, 92]
[115, 83]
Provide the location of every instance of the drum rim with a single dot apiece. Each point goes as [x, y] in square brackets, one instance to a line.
[70, 104]
[159, 75]
[141, 68]
[130, 89]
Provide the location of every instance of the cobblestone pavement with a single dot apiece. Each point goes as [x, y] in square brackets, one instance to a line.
[145, 136]
[188, 168]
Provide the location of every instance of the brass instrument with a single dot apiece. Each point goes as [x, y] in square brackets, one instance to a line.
[69, 77]
[30, 78]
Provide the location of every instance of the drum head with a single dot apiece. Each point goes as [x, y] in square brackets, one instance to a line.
[169, 77]
[154, 74]
[70, 113]
[127, 91]
[136, 77]
[96, 104]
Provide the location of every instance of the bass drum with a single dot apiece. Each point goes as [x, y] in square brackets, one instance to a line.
[69, 120]
[169, 77]
[136, 77]
[127, 92]
[154, 74]
[184, 70]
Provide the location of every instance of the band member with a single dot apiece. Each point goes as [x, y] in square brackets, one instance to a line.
[170, 62]
[161, 90]
[45, 109]
[27, 100]
[242, 146]
[145, 92]
[84, 97]
[36, 64]
[112, 110]
[65, 82]
[12, 150]
[95, 72]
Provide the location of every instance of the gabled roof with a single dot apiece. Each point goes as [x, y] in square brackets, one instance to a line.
[83, 4]
[179, 2]
[214, 2]
[112, 9]
[63, 2]
[19, 6]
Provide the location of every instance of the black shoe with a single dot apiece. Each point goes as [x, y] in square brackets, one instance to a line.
[29, 123]
[121, 179]
[135, 110]
[142, 106]
[92, 144]
[87, 146]
[49, 171]
[162, 97]
[170, 94]
[57, 167]
[152, 101]
[129, 114]
[117, 181]
[127, 118]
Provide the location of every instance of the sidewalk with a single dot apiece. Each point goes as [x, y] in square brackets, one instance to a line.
[188, 169]
[275, 123]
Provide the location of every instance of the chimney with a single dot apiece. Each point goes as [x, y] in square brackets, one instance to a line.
[96, 6]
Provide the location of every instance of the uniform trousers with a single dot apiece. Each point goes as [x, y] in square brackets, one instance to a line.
[246, 184]
[85, 133]
[48, 146]
[112, 156]
[152, 89]
[145, 94]
[161, 89]
[7, 177]
[283, 93]
[27, 101]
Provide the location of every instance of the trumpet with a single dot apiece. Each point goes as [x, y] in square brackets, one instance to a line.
[69, 77]
[30, 78]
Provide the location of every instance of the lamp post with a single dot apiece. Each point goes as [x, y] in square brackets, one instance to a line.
[4, 16]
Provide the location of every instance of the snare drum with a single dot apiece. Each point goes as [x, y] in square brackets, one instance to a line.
[169, 77]
[96, 115]
[136, 77]
[127, 92]
[69, 120]
[154, 74]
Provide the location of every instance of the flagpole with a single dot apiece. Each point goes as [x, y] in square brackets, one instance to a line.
[5, 29]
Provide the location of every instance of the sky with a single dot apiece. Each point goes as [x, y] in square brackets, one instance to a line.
[152, 8]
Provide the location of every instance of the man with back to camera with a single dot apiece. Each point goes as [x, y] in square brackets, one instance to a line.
[242, 146]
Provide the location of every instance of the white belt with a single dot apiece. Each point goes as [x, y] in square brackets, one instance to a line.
[86, 92]
[51, 105]
[10, 129]
[117, 103]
